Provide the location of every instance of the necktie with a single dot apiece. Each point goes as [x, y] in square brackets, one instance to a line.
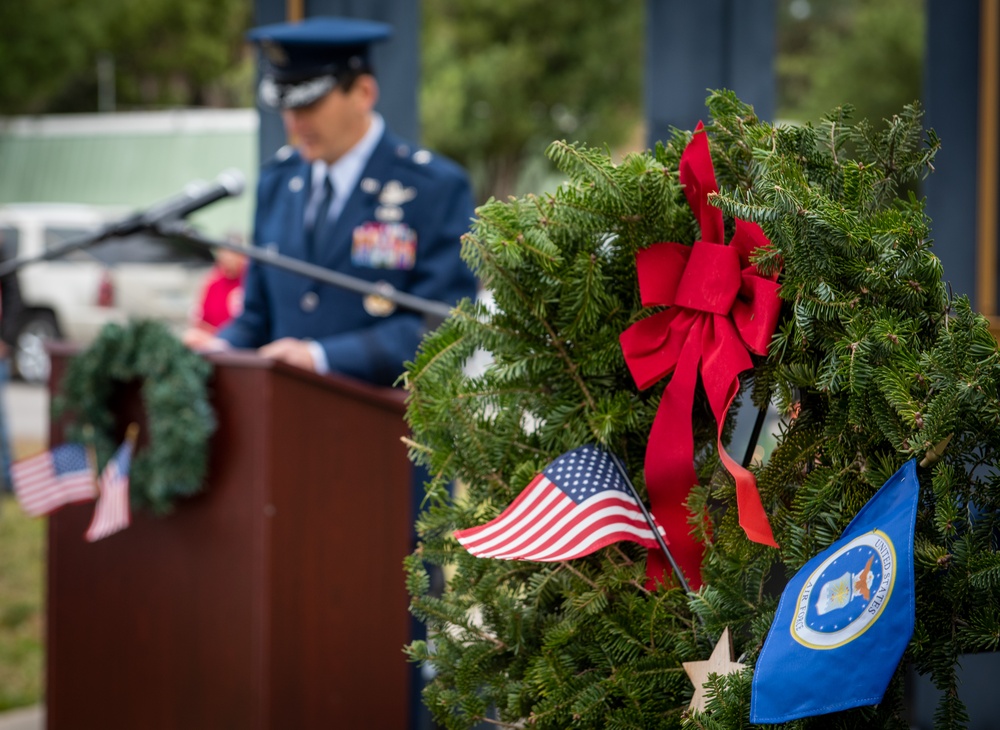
[321, 220]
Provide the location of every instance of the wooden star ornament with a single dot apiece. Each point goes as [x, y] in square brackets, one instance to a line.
[721, 662]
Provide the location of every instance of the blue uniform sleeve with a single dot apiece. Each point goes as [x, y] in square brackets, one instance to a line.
[377, 353]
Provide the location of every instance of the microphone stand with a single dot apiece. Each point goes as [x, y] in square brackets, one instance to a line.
[435, 311]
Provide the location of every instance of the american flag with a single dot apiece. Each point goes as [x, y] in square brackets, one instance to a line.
[53, 478]
[112, 511]
[577, 505]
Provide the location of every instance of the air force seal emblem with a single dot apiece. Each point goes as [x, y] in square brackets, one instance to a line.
[847, 593]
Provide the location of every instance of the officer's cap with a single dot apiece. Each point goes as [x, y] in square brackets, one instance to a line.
[303, 61]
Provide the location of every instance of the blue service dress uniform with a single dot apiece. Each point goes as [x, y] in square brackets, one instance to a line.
[402, 224]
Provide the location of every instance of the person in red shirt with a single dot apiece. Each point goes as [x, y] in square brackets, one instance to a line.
[222, 295]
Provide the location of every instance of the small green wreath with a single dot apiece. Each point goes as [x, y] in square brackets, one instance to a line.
[179, 418]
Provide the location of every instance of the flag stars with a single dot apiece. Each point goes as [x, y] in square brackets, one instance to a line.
[585, 472]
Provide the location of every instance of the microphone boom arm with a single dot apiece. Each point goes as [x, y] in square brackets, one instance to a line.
[432, 309]
[167, 218]
[68, 246]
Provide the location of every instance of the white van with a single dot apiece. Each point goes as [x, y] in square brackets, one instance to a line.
[74, 296]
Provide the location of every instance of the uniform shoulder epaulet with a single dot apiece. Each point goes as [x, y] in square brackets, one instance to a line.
[416, 156]
[422, 157]
[422, 160]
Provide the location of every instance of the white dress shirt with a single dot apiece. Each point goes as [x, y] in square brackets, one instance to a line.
[344, 175]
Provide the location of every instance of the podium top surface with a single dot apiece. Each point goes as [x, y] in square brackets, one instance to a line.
[394, 398]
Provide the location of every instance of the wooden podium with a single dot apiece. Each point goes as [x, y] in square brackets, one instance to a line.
[275, 599]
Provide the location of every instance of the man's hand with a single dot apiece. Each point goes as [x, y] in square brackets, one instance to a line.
[290, 350]
[201, 340]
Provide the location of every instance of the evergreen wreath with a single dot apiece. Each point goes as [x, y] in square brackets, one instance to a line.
[173, 383]
[873, 363]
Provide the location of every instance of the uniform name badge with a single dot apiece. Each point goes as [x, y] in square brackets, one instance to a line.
[384, 246]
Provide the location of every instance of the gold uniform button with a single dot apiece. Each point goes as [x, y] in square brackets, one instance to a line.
[377, 305]
[309, 302]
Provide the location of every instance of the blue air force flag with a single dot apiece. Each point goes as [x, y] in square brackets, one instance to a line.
[844, 620]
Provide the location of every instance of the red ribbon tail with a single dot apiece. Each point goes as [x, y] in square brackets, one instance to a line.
[753, 516]
[670, 471]
[724, 358]
[659, 571]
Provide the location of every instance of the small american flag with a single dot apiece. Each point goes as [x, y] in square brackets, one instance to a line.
[112, 511]
[577, 505]
[53, 478]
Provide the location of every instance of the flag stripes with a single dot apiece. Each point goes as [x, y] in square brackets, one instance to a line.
[111, 513]
[577, 505]
[52, 479]
[545, 525]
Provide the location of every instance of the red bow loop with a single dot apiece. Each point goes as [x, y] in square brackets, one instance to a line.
[652, 346]
[698, 178]
[659, 269]
[757, 308]
[747, 238]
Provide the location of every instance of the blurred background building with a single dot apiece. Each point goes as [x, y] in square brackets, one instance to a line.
[166, 88]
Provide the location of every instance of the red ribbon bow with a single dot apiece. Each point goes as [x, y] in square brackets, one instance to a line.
[720, 309]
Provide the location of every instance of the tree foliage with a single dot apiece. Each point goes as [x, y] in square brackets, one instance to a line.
[867, 53]
[44, 41]
[500, 80]
[165, 53]
[872, 356]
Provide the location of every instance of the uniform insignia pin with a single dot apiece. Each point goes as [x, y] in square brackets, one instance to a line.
[394, 194]
[388, 214]
[274, 52]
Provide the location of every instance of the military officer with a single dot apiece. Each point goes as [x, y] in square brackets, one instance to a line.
[350, 196]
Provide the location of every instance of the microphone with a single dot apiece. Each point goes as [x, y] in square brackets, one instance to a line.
[196, 195]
